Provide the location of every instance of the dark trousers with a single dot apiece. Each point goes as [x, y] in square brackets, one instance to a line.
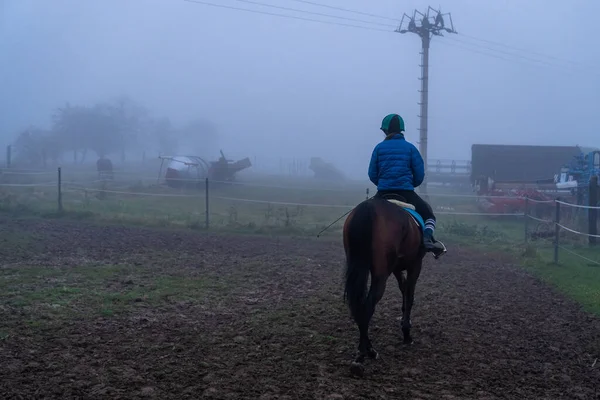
[411, 197]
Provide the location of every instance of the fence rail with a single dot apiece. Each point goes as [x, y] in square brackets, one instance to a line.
[560, 227]
[555, 226]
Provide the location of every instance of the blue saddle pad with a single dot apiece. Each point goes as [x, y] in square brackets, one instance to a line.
[417, 217]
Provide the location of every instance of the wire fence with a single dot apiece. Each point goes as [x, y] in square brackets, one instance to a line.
[563, 224]
[204, 204]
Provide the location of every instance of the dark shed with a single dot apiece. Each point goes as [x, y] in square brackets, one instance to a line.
[516, 163]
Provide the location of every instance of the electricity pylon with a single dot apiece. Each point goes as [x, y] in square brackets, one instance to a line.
[428, 26]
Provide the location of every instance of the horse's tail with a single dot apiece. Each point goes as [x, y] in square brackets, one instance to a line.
[359, 256]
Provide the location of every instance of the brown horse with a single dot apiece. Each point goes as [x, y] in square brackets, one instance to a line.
[380, 238]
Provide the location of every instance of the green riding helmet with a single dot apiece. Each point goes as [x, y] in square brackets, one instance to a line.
[392, 123]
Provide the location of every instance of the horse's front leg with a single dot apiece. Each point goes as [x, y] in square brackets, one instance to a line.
[412, 275]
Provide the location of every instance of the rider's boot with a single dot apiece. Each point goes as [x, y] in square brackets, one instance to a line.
[428, 240]
[430, 243]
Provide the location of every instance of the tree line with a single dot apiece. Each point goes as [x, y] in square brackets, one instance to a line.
[109, 128]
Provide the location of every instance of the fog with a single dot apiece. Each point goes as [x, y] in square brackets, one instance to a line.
[281, 87]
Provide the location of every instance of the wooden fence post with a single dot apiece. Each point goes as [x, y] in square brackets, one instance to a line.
[207, 209]
[60, 204]
[593, 212]
[526, 216]
[556, 231]
[8, 156]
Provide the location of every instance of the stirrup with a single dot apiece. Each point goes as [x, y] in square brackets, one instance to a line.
[438, 253]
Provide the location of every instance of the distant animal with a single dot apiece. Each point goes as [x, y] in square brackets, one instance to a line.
[382, 236]
[105, 168]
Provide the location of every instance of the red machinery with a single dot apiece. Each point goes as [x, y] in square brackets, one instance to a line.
[509, 197]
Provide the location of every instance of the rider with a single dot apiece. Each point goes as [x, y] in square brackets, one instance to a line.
[397, 167]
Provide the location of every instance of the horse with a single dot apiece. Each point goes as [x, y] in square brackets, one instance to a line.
[382, 235]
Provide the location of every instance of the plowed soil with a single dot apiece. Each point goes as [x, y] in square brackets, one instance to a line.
[92, 311]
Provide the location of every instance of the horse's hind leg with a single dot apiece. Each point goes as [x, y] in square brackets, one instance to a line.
[412, 275]
[402, 285]
[365, 348]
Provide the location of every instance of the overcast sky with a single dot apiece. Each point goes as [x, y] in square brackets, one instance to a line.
[280, 86]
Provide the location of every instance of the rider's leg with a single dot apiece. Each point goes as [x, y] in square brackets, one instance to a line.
[425, 210]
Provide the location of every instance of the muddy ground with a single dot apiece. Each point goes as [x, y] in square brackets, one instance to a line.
[167, 314]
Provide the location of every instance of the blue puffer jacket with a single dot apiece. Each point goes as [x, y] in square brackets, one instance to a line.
[396, 165]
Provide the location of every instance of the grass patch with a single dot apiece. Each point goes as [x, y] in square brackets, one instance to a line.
[572, 276]
[43, 294]
[159, 206]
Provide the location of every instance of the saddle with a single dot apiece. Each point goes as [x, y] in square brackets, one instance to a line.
[400, 201]
[402, 204]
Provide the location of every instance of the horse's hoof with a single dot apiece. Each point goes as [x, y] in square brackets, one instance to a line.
[409, 342]
[373, 354]
[357, 369]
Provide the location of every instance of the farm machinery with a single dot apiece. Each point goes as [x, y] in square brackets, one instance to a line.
[324, 170]
[510, 197]
[504, 175]
[192, 171]
[576, 175]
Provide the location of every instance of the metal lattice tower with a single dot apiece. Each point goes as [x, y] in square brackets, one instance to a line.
[425, 25]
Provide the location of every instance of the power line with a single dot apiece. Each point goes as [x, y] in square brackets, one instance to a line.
[504, 52]
[461, 34]
[520, 56]
[520, 49]
[346, 10]
[516, 57]
[313, 13]
[446, 43]
[206, 3]
[573, 64]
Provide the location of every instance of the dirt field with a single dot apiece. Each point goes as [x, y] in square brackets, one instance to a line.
[113, 312]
